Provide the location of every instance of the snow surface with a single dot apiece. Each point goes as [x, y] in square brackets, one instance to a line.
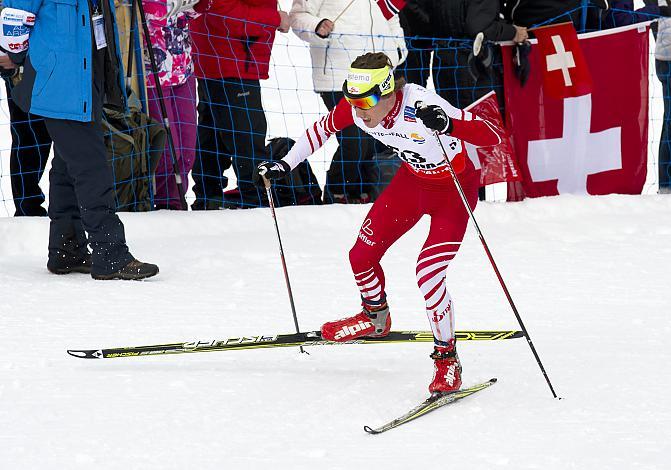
[588, 275]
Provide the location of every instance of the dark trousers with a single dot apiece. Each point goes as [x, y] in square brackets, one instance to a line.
[349, 173]
[30, 151]
[231, 131]
[663, 69]
[81, 197]
[453, 80]
[417, 66]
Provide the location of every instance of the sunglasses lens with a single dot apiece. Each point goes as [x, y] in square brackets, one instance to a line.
[365, 102]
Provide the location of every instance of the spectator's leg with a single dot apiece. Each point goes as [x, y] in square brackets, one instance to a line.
[184, 108]
[211, 159]
[417, 65]
[248, 132]
[67, 240]
[348, 176]
[89, 193]
[30, 151]
[663, 69]
[164, 172]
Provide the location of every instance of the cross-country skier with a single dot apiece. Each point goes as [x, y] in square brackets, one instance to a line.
[404, 117]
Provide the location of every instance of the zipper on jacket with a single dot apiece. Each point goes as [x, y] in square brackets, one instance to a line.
[326, 55]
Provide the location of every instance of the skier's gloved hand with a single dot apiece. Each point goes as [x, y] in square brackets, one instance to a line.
[15, 29]
[433, 117]
[271, 171]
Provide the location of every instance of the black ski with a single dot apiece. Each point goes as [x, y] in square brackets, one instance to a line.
[432, 403]
[312, 338]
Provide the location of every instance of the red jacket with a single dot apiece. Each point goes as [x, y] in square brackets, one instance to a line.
[233, 38]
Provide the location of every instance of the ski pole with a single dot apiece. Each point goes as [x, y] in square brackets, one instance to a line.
[493, 263]
[161, 102]
[271, 203]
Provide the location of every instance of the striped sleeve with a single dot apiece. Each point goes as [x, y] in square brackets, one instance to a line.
[390, 7]
[465, 125]
[476, 131]
[318, 133]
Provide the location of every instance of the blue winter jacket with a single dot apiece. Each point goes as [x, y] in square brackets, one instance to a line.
[57, 79]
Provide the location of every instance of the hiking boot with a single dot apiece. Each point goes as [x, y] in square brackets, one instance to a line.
[62, 263]
[372, 322]
[133, 271]
[447, 370]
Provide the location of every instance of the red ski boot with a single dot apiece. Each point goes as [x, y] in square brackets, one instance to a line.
[447, 373]
[371, 322]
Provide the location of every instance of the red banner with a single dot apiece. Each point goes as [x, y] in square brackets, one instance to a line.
[590, 144]
[497, 162]
[565, 71]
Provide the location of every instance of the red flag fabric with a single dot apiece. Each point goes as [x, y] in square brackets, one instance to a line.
[497, 162]
[565, 71]
[590, 144]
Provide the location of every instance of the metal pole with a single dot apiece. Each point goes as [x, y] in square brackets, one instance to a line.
[271, 203]
[493, 263]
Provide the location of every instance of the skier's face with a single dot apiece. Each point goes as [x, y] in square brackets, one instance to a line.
[374, 116]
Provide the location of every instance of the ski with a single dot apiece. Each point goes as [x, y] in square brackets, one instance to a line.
[311, 338]
[432, 403]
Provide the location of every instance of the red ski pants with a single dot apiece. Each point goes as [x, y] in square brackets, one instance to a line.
[399, 207]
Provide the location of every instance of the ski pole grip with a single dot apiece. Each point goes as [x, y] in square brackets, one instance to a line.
[266, 182]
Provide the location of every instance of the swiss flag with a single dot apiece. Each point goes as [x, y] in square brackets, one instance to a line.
[590, 144]
[565, 71]
[498, 161]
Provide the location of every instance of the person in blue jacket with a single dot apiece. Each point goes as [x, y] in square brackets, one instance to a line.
[71, 66]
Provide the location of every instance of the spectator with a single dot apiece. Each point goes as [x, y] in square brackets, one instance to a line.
[464, 19]
[232, 41]
[71, 68]
[169, 38]
[663, 70]
[30, 150]
[338, 31]
[530, 13]
[622, 12]
[416, 24]
[453, 78]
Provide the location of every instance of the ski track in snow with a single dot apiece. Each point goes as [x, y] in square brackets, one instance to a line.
[587, 274]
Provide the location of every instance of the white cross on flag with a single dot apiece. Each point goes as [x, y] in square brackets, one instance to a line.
[592, 143]
[565, 70]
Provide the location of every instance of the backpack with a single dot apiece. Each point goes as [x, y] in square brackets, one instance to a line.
[300, 187]
[135, 143]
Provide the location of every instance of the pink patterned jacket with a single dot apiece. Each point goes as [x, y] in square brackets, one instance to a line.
[171, 43]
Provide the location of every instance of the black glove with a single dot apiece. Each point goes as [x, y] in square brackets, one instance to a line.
[433, 117]
[521, 61]
[271, 171]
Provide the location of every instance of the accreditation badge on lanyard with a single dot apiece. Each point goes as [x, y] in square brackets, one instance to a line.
[98, 24]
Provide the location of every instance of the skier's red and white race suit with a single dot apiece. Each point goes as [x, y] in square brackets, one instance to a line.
[422, 185]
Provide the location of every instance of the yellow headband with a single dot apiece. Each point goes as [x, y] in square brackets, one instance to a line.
[360, 81]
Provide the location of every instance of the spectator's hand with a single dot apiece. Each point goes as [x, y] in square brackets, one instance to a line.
[432, 116]
[14, 32]
[284, 22]
[6, 63]
[271, 171]
[324, 28]
[175, 7]
[521, 34]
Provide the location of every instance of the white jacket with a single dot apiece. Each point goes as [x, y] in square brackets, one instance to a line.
[361, 28]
